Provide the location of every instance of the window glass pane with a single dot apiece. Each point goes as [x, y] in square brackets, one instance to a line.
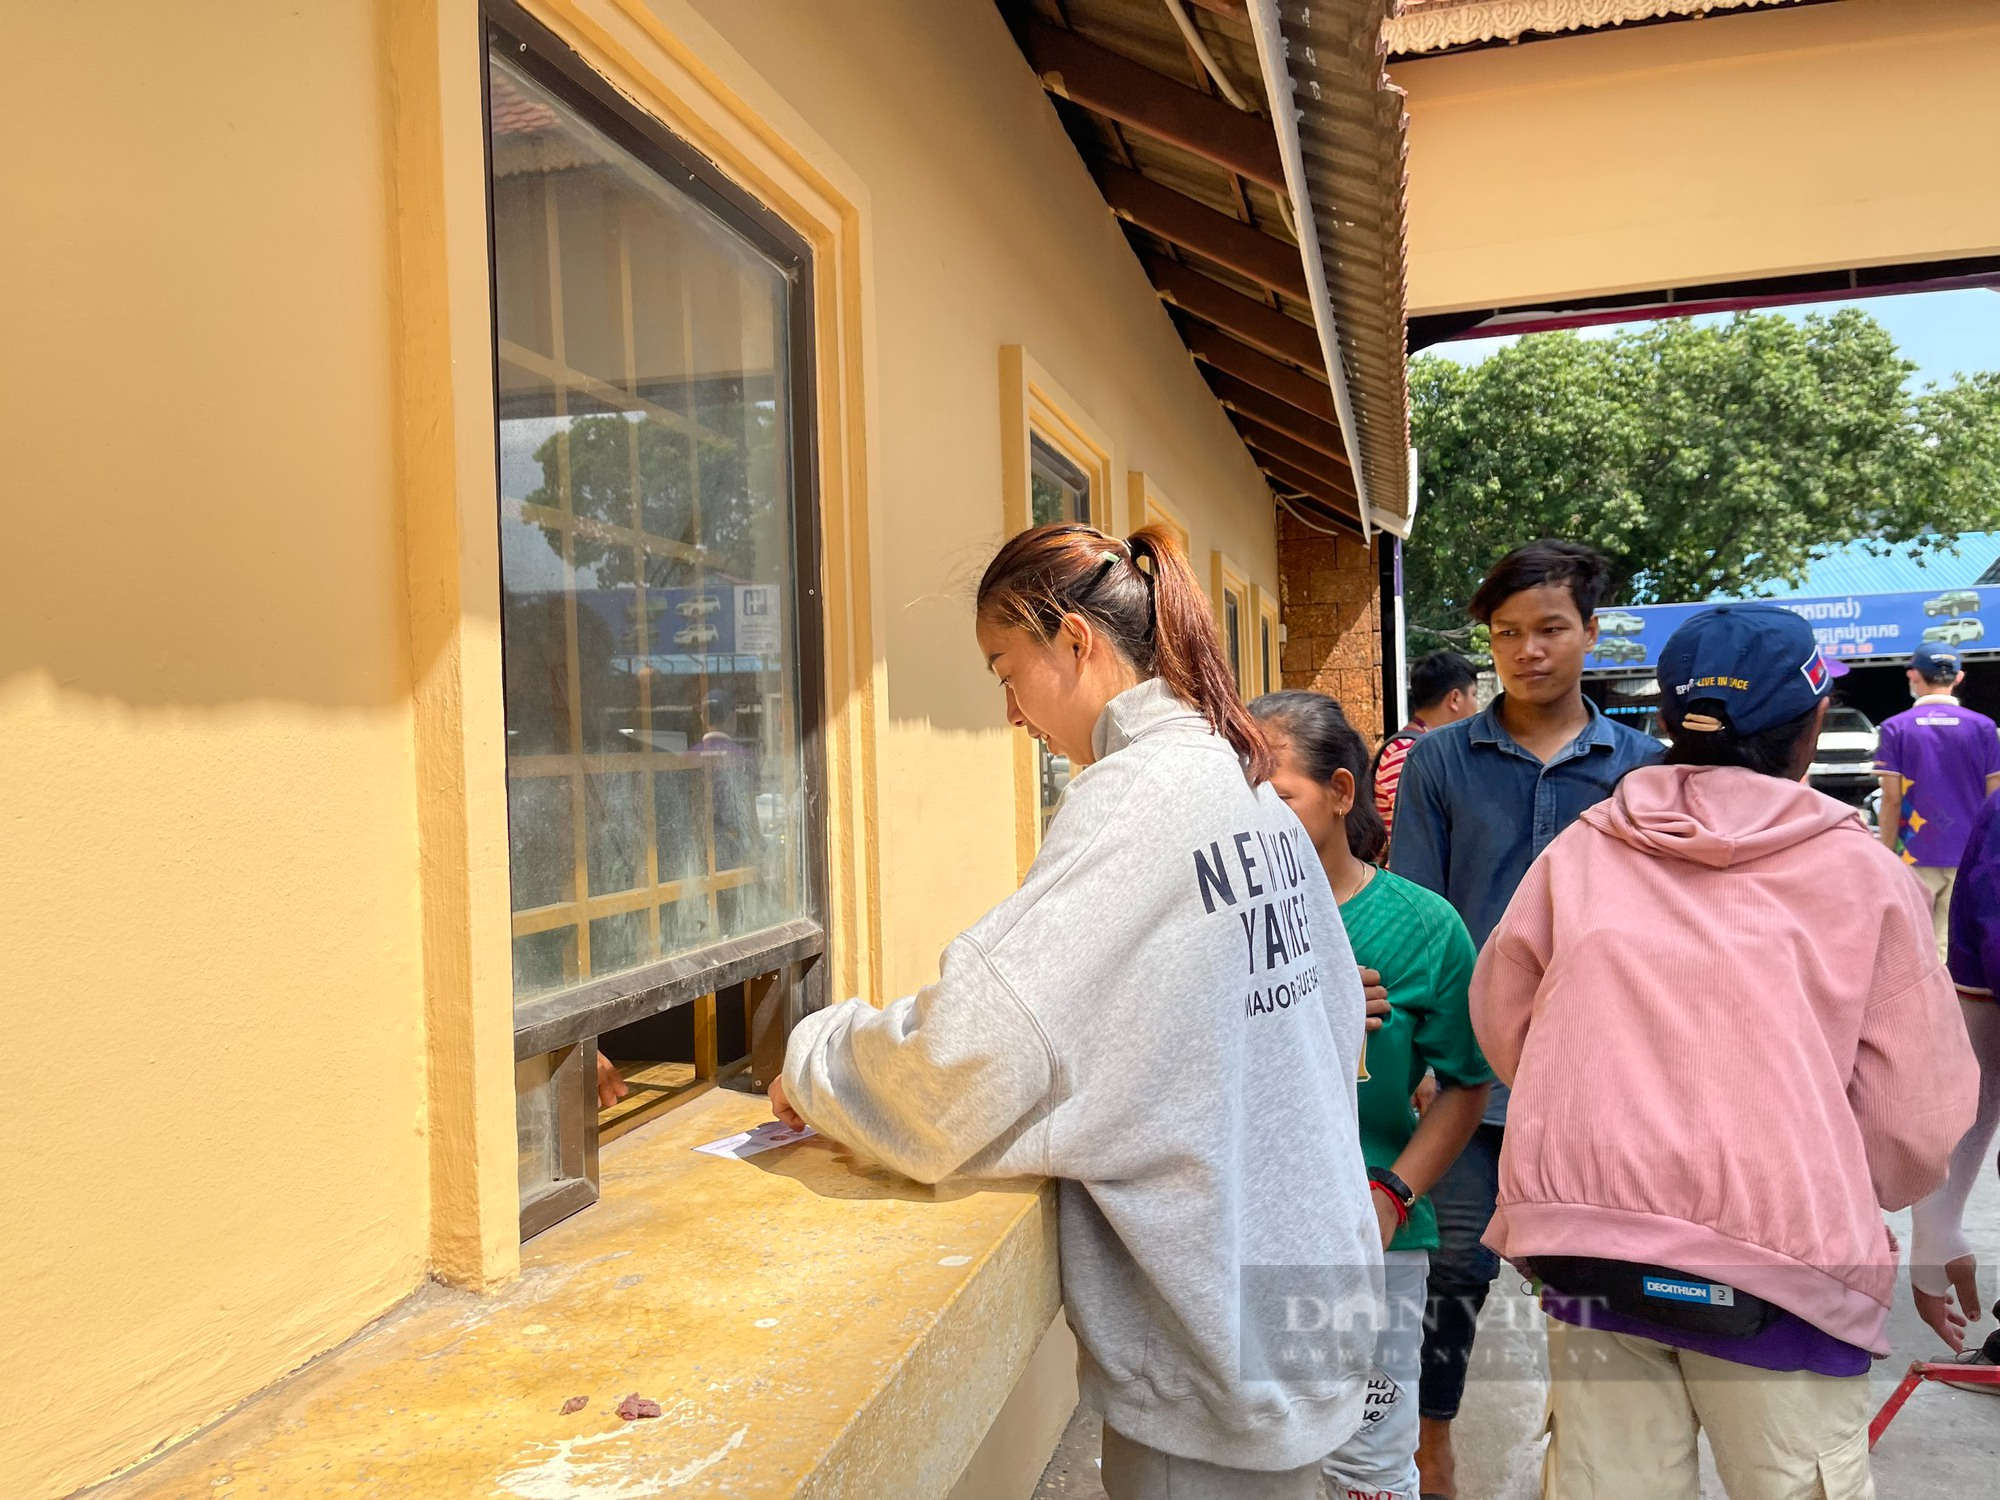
[649, 599]
[1232, 635]
[1266, 682]
[535, 1124]
[1057, 489]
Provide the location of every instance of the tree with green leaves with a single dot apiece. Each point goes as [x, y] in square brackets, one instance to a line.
[1701, 460]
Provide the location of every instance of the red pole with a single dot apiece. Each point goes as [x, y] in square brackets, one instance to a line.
[1921, 1370]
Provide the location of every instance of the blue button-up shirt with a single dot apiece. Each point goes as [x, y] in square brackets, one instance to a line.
[1474, 809]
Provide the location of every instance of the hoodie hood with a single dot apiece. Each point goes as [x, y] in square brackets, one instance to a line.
[1717, 816]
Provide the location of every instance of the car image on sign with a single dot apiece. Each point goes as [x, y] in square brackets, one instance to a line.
[696, 635]
[1956, 632]
[1617, 649]
[1618, 622]
[701, 604]
[1954, 602]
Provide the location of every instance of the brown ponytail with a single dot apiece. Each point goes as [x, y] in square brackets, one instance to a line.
[1144, 596]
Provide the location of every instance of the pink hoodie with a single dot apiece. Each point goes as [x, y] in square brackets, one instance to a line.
[1731, 1044]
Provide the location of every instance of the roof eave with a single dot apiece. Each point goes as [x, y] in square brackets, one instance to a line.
[1341, 132]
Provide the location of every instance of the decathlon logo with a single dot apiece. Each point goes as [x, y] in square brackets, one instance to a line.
[1674, 1289]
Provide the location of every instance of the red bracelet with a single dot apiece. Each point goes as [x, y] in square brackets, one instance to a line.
[1402, 1213]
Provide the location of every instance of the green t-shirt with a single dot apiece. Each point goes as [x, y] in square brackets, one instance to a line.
[1421, 948]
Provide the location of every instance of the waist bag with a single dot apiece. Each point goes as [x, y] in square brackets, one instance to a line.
[1656, 1294]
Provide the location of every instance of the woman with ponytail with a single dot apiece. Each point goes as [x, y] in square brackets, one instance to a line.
[1166, 1018]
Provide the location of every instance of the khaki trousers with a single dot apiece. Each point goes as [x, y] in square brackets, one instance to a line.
[1938, 881]
[1132, 1471]
[1624, 1413]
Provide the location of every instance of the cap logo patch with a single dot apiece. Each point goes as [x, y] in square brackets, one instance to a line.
[1816, 674]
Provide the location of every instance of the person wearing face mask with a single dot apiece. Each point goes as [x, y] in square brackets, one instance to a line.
[1167, 1019]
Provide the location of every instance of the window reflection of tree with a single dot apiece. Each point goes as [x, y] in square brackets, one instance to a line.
[736, 532]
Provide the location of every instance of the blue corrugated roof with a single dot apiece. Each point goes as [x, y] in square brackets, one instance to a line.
[1852, 570]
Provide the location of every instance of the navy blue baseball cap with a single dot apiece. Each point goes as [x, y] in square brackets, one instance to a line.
[1936, 661]
[1759, 661]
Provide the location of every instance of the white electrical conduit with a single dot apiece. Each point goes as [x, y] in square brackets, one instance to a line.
[1310, 525]
[1229, 90]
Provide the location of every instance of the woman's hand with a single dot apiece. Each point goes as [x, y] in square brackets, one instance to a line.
[1377, 996]
[1946, 1321]
[782, 1108]
[610, 1085]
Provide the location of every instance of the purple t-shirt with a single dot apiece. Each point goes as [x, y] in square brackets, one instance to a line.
[1944, 754]
[1975, 907]
[1791, 1343]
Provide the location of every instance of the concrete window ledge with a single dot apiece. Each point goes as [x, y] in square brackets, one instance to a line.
[810, 1326]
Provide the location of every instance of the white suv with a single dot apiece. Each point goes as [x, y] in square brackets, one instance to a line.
[1956, 632]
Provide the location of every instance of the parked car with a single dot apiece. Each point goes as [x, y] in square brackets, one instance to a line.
[1954, 602]
[1956, 632]
[1617, 650]
[696, 635]
[1618, 622]
[1843, 763]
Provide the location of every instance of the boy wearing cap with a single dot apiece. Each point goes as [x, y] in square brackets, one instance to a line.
[1717, 1091]
[1938, 762]
[1478, 801]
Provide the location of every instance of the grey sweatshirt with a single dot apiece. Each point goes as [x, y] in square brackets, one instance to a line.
[1166, 1017]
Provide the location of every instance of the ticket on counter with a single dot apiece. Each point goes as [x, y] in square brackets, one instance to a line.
[766, 1137]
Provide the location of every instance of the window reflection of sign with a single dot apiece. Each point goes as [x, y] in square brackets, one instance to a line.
[757, 618]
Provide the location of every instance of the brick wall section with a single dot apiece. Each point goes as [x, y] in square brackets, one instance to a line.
[1330, 603]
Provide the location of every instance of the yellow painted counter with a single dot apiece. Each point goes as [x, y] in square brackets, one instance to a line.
[810, 1327]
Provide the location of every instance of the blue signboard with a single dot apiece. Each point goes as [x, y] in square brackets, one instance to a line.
[1858, 628]
[718, 628]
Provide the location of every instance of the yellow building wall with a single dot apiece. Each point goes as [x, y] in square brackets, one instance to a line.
[247, 781]
[1760, 144]
[214, 1114]
[985, 231]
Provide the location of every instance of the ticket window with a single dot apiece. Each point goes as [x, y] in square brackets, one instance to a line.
[659, 612]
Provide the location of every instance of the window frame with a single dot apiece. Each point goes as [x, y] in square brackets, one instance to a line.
[1230, 581]
[784, 965]
[1148, 505]
[1033, 405]
[1271, 632]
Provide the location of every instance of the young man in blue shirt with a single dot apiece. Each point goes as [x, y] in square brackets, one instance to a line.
[1479, 800]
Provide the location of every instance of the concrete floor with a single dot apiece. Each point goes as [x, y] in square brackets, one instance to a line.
[1944, 1445]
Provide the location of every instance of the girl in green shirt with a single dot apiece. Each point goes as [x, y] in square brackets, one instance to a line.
[1417, 942]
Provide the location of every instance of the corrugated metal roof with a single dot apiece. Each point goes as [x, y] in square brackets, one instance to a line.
[1853, 570]
[1433, 25]
[1353, 134]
